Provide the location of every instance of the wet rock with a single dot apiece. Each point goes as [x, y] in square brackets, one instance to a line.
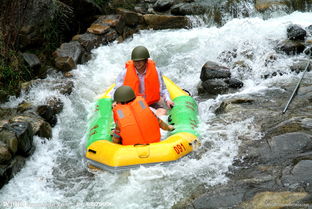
[131, 18]
[274, 200]
[163, 5]
[9, 170]
[290, 47]
[116, 22]
[165, 21]
[215, 86]
[234, 83]
[212, 70]
[55, 104]
[263, 5]
[295, 32]
[225, 105]
[188, 9]
[24, 106]
[39, 127]
[24, 135]
[9, 138]
[32, 60]
[222, 197]
[47, 113]
[295, 124]
[98, 29]
[300, 66]
[299, 175]
[89, 41]
[5, 155]
[308, 51]
[64, 87]
[67, 56]
[278, 150]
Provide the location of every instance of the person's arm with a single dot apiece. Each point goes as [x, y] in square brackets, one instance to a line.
[119, 81]
[165, 126]
[116, 135]
[163, 90]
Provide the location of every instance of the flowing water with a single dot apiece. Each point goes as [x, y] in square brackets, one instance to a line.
[56, 176]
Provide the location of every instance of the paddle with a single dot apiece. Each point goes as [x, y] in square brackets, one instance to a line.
[296, 89]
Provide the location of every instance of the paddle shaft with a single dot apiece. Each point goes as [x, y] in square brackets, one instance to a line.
[296, 89]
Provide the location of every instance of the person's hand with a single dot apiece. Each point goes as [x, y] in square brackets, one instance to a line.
[170, 127]
[170, 104]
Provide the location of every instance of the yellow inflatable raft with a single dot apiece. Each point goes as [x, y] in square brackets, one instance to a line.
[102, 153]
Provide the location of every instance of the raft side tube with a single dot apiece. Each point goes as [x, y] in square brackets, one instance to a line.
[115, 155]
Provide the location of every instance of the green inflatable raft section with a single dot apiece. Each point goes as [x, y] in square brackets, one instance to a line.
[184, 117]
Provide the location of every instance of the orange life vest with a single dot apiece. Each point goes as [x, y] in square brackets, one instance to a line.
[137, 123]
[151, 81]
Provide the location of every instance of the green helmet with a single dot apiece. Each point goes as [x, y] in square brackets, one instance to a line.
[124, 94]
[140, 53]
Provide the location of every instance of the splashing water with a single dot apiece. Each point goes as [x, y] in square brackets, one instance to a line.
[55, 174]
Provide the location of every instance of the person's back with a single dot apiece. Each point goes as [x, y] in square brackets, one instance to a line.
[136, 122]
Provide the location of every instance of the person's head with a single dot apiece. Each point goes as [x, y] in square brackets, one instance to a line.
[124, 94]
[139, 56]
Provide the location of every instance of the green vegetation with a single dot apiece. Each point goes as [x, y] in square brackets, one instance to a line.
[12, 71]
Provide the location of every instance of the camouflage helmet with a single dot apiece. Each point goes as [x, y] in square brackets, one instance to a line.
[124, 94]
[140, 53]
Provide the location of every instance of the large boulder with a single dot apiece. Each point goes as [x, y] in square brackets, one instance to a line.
[131, 18]
[295, 32]
[215, 86]
[39, 126]
[212, 70]
[165, 21]
[67, 56]
[89, 41]
[24, 135]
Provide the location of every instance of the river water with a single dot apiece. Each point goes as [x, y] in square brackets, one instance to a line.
[56, 175]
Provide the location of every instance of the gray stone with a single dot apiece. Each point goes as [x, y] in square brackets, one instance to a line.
[290, 47]
[299, 175]
[212, 70]
[234, 83]
[39, 127]
[163, 5]
[188, 9]
[5, 155]
[67, 56]
[9, 138]
[89, 41]
[226, 197]
[165, 21]
[295, 32]
[131, 18]
[215, 86]
[24, 135]
[47, 113]
[32, 60]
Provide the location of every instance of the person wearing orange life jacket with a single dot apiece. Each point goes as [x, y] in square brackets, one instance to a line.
[146, 81]
[135, 121]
